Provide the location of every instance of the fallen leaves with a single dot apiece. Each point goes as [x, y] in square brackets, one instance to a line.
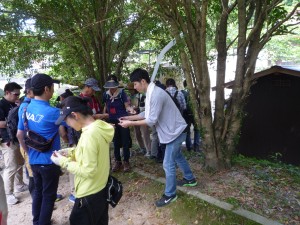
[262, 189]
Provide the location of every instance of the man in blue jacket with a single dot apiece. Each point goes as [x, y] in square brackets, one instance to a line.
[41, 118]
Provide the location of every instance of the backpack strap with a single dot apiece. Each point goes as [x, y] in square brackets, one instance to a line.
[173, 98]
[107, 97]
[26, 124]
[120, 96]
[175, 95]
[25, 121]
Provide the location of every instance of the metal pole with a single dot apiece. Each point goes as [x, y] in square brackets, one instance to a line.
[149, 61]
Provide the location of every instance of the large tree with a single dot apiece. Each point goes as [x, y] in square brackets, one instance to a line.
[193, 23]
[82, 38]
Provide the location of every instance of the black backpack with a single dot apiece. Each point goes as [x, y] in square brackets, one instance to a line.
[12, 123]
[188, 112]
[114, 189]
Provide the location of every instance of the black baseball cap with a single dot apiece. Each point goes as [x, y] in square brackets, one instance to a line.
[28, 84]
[41, 80]
[67, 110]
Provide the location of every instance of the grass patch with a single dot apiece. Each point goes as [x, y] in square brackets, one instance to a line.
[191, 210]
[233, 201]
[186, 210]
[270, 170]
[268, 188]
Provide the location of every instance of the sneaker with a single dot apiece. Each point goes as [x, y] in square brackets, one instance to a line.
[126, 167]
[139, 151]
[153, 157]
[58, 197]
[187, 183]
[148, 155]
[117, 166]
[72, 198]
[21, 188]
[11, 199]
[142, 151]
[165, 200]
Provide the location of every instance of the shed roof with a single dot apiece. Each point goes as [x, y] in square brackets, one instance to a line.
[289, 70]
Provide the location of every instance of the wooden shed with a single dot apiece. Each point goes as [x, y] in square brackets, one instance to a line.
[272, 115]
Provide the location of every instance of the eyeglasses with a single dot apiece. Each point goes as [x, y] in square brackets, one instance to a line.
[16, 94]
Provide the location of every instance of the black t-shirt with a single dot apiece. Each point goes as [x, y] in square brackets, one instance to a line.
[5, 106]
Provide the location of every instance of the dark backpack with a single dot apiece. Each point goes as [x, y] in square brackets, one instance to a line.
[12, 123]
[114, 189]
[188, 112]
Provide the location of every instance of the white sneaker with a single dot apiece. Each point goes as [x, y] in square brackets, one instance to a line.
[21, 188]
[11, 199]
[148, 154]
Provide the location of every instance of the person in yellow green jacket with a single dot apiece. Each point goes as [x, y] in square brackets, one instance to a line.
[89, 161]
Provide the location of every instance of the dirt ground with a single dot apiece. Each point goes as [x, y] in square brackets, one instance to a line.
[132, 209]
[261, 190]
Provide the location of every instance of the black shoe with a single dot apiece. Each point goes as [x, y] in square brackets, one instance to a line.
[152, 157]
[165, 200]
[187, 183]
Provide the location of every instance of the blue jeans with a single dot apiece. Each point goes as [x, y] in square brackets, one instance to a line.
[173, 156]
[46, 179]
[197, 139]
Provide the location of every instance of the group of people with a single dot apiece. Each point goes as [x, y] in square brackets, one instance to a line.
[87, 156]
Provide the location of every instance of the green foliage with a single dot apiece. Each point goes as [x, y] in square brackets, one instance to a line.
[233, 201]
[53, 101]
[283, 49]
[82, 39]
[276, 14]
[272, 167]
